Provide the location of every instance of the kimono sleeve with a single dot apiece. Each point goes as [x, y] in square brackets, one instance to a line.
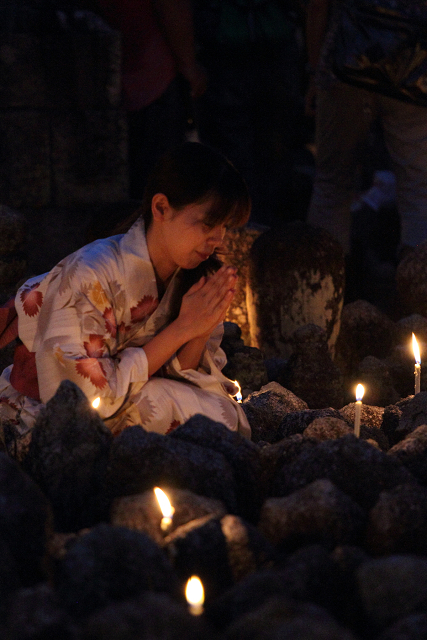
[80, 343]
[214, 348]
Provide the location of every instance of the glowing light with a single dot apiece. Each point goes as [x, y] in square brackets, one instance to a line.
[416, 349]
[195, 595]
[165, 507]
[96, 403]
[417, 357]
[360, 390]
[238, 395]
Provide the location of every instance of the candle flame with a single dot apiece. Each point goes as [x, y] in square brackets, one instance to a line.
[165, 506]
[96, 403]
[194, 591]
[416, 349]
[360, 390]
[238, 395]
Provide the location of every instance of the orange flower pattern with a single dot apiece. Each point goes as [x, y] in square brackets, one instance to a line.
[31, 299]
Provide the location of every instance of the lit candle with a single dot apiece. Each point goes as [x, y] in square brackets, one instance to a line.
[417, 357]
[360, 390]
[96, 403]
[195, 595]
[238, 395]
[166, 508]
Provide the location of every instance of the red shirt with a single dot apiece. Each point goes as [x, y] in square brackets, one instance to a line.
[148, 66]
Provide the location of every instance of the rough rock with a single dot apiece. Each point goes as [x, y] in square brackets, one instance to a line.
[309, 574]
[413, 627]
[288, 619]
[9, 580]
[297, 421]
[219, 551]
[369, 415]
[296, 277]
[391, 419]
[140, 460]
[371, 423]
[327, 428]
[142, 512]
[365, 331]
[67, 457]
[414, 323]
[354, 466]
[392, 587]
[311, 373]
[275, 455]
[151, 616]
[25, 521]
[318, 513]
[411, 280]
[412, 453]
[248, 367]
[111, 564]
[398, 522]
[375, 377]
[414, 414]
[347, 609]
[265, 409]
[241, 454]
[36, 613]
[232, 341]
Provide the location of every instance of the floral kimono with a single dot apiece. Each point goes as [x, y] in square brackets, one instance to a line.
[86, 321]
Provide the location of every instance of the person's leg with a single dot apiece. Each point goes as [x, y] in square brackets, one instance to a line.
[165, 404]
[343, 117]
[405, 134]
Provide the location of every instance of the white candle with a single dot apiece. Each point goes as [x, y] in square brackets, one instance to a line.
[195, 595]
[96, 403]
[360, 390]
[166, 508]
[417, 371]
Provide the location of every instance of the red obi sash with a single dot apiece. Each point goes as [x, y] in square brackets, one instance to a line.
[23, 377]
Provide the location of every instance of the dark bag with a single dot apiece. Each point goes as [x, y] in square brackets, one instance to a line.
[381, 45]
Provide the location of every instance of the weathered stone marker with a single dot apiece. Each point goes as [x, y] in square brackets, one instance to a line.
[296, 277]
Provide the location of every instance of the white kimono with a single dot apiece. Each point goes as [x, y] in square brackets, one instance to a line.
[86, 321]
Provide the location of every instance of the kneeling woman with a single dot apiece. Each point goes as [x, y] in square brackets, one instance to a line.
[136, 319]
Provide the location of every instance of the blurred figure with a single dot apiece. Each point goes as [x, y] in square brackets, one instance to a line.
[252, 110]
[160, 77]
[344, 116]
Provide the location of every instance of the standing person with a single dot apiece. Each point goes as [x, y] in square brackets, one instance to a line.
[344, 115]
[136, 319]
[160, 75]
[253, 107]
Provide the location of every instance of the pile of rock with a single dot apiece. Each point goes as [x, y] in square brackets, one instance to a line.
[307, 531]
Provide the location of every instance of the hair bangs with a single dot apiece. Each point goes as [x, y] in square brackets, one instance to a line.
[227, 210]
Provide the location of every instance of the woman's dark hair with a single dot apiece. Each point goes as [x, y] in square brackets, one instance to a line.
[195, 173]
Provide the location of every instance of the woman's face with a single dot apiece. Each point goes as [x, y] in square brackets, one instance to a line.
[185, 239]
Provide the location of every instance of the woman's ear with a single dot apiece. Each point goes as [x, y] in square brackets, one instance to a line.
[160, 206]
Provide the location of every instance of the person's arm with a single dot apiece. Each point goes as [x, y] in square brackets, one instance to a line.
[317, 23]
[203, 307]
[175, 19]
[316, 27]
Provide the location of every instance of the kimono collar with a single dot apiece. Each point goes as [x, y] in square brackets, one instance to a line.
[134, 241]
